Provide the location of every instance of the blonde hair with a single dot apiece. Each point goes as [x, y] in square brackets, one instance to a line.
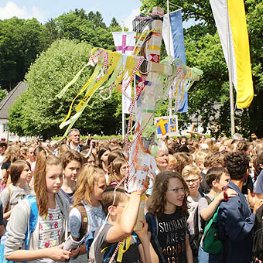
[191, 169]
[200, 156]
[85, 184]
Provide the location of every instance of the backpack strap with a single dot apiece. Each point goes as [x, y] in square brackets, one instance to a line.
[152, 221]
[196, 222]
[208, 199]
[84, 221]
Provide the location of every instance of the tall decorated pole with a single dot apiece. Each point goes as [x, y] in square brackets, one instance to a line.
[141, 162]
[154, 80]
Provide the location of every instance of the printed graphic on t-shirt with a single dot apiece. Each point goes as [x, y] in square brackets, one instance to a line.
[50, 228]
[171, 236]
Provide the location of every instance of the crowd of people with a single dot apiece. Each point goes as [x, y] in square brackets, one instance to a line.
[67, 201]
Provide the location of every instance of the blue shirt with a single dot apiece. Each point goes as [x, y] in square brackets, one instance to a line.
[235, 223]
[259, 184]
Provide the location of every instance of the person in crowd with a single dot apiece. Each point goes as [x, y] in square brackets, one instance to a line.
[91, 159]
[257, 166]
[182, 159]
[74, 140]
[199, 160]
[10, 157]
[90, 186]
[118, 170]
[72, 162]
[31, 158]
[52, 215]
[115, 154]
[167, 218]
[3, 147]
[172, 163]
[217, 178]
[258, 227]
[19, 172]
[161, 157]
[235, 220]
[212, 160]
[259, 185]
[23, 153]
[123, 211]
[2, 226]
[103, 154]
[192, 176]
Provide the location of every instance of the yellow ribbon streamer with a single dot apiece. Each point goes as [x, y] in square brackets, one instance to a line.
[124, 246]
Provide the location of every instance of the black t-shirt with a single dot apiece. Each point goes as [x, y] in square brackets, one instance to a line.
[102, 248]
[171, 235]
[1, 214]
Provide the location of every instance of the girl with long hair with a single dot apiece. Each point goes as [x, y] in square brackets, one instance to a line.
[19, 172]
[10, 156]
[167, 218]
[118, 170]
[90, 186]
[103, 154]
[45, 242]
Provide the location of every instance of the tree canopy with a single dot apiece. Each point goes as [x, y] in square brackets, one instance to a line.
[71, 36]
[39, 111]
[21, 40]
[203, 50]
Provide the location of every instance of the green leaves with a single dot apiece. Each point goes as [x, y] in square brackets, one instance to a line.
[39, 111]
[209, 97]
[21, 41]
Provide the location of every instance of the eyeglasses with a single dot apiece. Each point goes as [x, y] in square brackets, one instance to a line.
[177, 190]
[192, 181]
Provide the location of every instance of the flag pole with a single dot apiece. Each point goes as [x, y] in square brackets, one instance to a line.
[169, 49]
[230, 66]
[122, 106]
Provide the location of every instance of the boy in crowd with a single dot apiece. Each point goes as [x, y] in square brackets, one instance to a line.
[192, 176]
[114, 240]
[235, 220]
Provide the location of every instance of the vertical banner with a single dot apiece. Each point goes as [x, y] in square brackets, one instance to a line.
[173, 37]
[125, 43]
[231, 24]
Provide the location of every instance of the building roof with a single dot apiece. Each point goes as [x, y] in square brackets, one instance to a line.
[10, 99]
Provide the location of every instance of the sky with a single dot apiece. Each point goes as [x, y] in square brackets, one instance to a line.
[43, 10]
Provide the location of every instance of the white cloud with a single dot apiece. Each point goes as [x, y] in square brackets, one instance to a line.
[11, 9]
[128, 20]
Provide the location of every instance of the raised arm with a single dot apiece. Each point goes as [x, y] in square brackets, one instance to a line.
[125, 226]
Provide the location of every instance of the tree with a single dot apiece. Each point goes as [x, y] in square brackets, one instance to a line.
[204, 51]
[39, 112]
[84, 27]
[21, 40]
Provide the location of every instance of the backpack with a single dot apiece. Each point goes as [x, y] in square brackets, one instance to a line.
[211, 243]
[258, 235]
[31, 226]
